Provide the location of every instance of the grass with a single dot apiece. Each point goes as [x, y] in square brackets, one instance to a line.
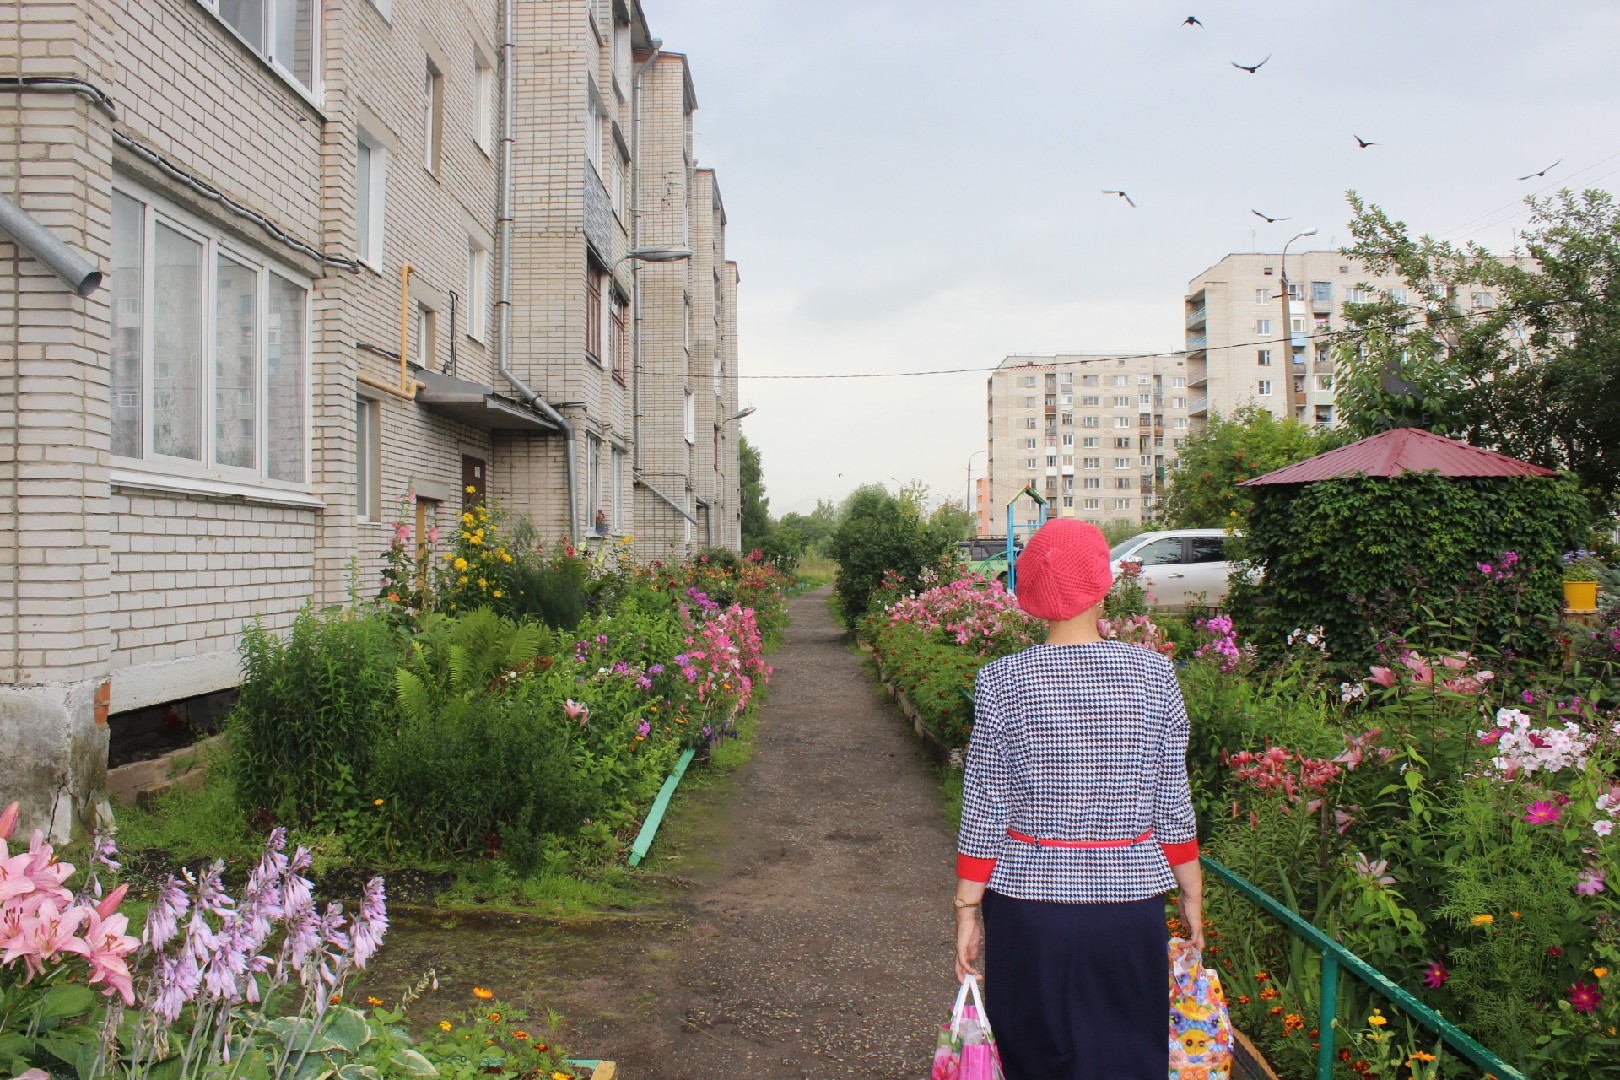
[816, 570]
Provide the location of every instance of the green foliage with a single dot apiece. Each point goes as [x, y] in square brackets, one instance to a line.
[1368, 557]
[1202, 489]
[1532, 374]
[932, 676]
[879, 534]
[953, 520]
[310, 710]
[756, 512]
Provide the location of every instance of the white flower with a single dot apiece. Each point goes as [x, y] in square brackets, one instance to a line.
[1603, 828]
[1351, 691]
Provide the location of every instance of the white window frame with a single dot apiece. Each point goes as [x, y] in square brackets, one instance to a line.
[1091, 504]
[370, 244]
[1262, 326]
[689, 416]
[617, 459]
[367, 458]
[312, 92]
[426, 326]
[1091, 442]
[1091, 463]
[1121, 422]
[1091, 421]
[1178, 381]
[1262, 357]
[595, 117]
[200, 473]
[432, 115]
[1262, 296]
[483, 113]
[477, 288]
[1263, 388]
[1091, 483]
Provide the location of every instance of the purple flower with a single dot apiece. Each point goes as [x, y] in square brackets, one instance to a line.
[371, 923]
[682, 659]
[1435, 975]
[1486, 568]
[1542, 812]
[105, 850]
[1527, 696]
[1590, 883]
[644, 729]
[163, 917]
[656, 669]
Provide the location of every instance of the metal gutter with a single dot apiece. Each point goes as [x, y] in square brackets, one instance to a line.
[81, 276]
[503, 303]
[635, 267]
[677, 507]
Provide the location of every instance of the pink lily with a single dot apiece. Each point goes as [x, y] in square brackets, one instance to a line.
[43, 936]
[8, 820]
[108, 945]
[1383, 676]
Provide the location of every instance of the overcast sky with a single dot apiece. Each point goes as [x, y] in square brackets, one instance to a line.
[915, 184]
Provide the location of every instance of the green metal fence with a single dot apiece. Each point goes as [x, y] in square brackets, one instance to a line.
[1336, 958]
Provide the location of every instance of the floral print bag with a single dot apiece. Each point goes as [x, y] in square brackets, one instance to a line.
[967, 1049]
[1200, 1029]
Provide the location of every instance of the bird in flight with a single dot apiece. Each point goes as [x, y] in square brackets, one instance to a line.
[1364, 143]
[1269, 219]
[1126, 197]
[1543, 172]
[1191, 20]
[1251, 68]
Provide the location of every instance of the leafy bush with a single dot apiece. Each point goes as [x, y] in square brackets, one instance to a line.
[310, 710]
[880, 534]
[1368, 558]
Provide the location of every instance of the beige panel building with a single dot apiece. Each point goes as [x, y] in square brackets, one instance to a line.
[312, 324]
[1091, 433]
[1254, 338]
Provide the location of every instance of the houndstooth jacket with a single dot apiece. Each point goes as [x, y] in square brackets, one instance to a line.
[1076, 745]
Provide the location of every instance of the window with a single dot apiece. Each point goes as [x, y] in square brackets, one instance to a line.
[689, 414]
[1123, 421]
[1181, 424]
[432, 116]
[1124, 483]
[1263, 388]
[483, 115]
[1324, 382]
[1207, 549]
[1122, 401]
[1090, 442]
[1029, 444]
[1321, 291]
[1122, 380]
[1262, 326]
[1296, 291]
[1358, 296]
[593, 312]
[1122, 504]
[595, 494]
[1090, 380]
[1068, 462]
[427, 335]
[1068, 501]
[1089, 421]
[1093, 504]
[1398, 295]
[1068, 399]
[215, 381]
[1029, 402]
[284, 32]
[477, 289]
[1296, 325]
[370, 188]
[1068, 440]
[616, 487]
[1263, 357]
[1324, 414]
[1029, 422]
[1027, 380]
[1144, 400]
[1262, 296]
[368, 459]
[1090, 399]
[1122, 442]
[619, 345]
[1091, 463]
[1178, 381]
[1030, 463]
[1122, 463]
[1091, 483]
[1482, 300]
[1144, 380]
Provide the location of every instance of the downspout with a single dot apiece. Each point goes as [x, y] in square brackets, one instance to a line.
[503, 303]
[635, 266]
[73, 268]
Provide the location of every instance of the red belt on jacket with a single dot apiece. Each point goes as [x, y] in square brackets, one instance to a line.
[1047, 842]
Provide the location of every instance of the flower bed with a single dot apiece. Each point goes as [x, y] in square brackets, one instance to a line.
[1451, 820]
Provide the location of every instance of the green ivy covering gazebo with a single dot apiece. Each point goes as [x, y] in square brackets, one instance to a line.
[1393, 531]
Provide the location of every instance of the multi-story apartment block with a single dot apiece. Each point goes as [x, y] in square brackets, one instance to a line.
[1091, 433]
[364, 262]
[1259, 336]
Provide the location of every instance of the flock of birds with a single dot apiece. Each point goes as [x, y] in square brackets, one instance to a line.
[1252, 69]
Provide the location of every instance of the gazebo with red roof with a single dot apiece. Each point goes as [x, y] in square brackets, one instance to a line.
[1399, 451]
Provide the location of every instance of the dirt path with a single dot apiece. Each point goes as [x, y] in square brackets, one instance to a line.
[820, 932]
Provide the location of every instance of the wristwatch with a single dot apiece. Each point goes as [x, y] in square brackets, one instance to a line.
[958, 903]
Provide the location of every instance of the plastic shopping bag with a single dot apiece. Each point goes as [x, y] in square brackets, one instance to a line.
[1200, 1029]
[967, 1049]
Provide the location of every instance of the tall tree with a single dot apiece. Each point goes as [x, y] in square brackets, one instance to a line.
[756, 513]
[1528, 366]
[1203, 491]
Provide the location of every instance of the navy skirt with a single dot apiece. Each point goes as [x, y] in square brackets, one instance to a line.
[1078, 991]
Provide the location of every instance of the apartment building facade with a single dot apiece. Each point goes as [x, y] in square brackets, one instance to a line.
[1092, 434]
[1256, 336]
[328, 310]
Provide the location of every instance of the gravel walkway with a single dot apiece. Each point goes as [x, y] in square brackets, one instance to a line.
[819, 939]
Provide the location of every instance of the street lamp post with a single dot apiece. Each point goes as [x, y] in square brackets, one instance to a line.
[968, 502]
[1287, 328]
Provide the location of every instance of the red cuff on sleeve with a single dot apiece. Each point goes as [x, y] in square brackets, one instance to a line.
[1176, 854]
[970, 869]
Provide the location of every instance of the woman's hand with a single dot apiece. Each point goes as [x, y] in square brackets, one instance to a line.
[968, 938]
[1191, 911]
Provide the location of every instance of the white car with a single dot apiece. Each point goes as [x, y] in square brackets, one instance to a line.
[1180, 567]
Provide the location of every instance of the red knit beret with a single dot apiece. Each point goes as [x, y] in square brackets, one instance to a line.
[1064, 570]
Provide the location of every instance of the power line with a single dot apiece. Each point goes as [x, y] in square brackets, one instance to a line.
[1519, 202]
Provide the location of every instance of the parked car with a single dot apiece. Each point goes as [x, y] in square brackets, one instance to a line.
[986, 556]
[1180, 567]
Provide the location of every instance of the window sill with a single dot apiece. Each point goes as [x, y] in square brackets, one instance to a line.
[140, 480]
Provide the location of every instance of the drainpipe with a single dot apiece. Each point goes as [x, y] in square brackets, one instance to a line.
[503, 303]
[67, 264]
[635, 268]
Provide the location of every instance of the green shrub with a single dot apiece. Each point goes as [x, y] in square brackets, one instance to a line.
[1368, 558]
[880, 535]
[310, 711]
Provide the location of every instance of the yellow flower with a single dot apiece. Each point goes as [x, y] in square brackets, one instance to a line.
[376, 802]
[520, 1034]
[444, 1025]
[462, 580]
[1600, 972]
[506, 556]
[373, 1001]
[496, 594]
[482, 584]
[471, 490]
[460, 564]
[1482, 920]
[1419, 1055]
[467, 519]
[480, 992]
[561, 1076]
[1377, 1019]
[1515, 914]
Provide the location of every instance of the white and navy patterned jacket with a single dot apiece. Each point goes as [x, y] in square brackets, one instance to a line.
[1077, 743]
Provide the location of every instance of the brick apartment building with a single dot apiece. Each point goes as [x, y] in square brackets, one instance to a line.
[1091, 433]
[327, 305]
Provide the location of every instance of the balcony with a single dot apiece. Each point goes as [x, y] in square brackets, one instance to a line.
[1197, 378]
[1197, 318]
[1197, 344]
[1198, 407]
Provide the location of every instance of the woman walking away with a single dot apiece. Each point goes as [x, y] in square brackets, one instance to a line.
[1076, 819]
